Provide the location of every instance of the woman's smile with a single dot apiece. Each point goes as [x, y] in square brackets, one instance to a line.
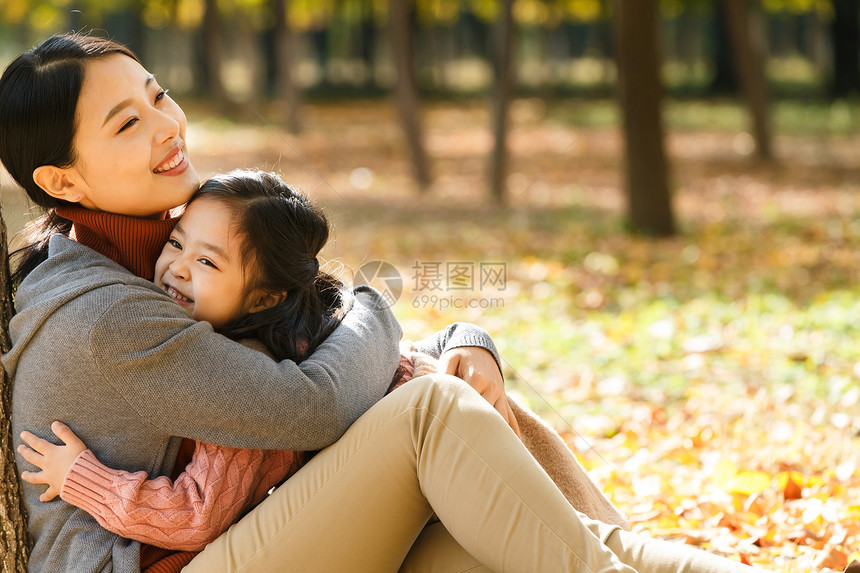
[174, 164]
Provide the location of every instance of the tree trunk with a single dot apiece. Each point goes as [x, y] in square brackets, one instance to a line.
[640, 92]
[406, 92]
[286, 47]
[503, 52]
[213, 53]
[846, 45]
[725, 78]
[14, 541]
[750, 65]
[368, 44]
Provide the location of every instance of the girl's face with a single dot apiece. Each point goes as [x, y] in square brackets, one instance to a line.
[130, 142]
[201, 266]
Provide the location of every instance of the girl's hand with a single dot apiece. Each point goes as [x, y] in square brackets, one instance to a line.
[478, 368]
[53, 460]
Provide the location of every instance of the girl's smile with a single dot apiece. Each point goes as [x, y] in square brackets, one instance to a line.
[177, 296]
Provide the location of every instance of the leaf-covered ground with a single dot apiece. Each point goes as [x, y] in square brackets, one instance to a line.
[711, 382]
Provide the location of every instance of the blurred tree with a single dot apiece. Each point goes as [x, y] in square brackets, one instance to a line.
[211, 54]
[725, 78]
[475, 35]
[400, 15]
[503, 56]
[845, 35]
[319, 37]
[14, 544]
[367, 45]
[284, 56]
[640, 91]
[746, 46]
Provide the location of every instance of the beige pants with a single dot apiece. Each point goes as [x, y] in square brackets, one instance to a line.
[433, 445]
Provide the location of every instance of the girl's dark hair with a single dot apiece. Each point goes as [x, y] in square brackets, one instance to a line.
[281, 233]
[39, 94]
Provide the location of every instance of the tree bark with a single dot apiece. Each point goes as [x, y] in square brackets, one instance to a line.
[406, 92]
[749, 62]
[503, 52]
[14, 541]
[640, 93]
[845, 34]
[286, 46]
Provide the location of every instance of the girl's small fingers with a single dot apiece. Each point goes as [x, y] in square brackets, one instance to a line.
[35, 441]
[34, 477]
[30, 455]
[65, 433]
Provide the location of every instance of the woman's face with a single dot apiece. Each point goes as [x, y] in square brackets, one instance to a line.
[130, 142]
[201, 266]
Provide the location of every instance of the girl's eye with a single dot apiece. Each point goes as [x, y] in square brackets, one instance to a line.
[160, 95]
[174, 243]
[128, 124]
[208, 263]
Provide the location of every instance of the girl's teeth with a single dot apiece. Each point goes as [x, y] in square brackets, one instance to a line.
[173, 163]
[177, 295]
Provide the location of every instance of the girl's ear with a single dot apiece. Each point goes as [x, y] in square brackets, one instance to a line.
[263, 299]
[57, 183]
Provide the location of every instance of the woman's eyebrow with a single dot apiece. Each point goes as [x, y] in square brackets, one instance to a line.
[126, 102]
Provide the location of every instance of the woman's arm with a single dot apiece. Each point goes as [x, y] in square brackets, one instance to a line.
[217, 487]
[459, 335]
[214, 390]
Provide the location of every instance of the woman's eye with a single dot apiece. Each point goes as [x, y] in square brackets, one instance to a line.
[128, 124]
[174, 243]
[160, 95]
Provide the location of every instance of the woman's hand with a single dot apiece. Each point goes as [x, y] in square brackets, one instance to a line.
[478, 368]
[53, 460]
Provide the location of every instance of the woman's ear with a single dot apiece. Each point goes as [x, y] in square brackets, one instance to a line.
[57, 183]
[263, 299]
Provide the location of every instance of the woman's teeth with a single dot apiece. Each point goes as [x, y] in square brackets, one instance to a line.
[171, 164]
[178, 295]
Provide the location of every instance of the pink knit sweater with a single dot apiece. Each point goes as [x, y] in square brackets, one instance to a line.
[215, 490]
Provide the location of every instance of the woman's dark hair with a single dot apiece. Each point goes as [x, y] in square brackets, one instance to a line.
[281, 234]
[39, 94]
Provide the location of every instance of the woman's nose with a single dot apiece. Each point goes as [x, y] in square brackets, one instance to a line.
[168, 127]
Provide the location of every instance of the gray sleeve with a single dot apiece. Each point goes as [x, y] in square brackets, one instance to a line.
[457, 335]
[189, 381]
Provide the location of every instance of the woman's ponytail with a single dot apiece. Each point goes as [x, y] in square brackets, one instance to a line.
[37, 234]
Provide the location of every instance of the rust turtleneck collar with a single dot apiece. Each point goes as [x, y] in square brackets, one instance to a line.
[130, 241]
